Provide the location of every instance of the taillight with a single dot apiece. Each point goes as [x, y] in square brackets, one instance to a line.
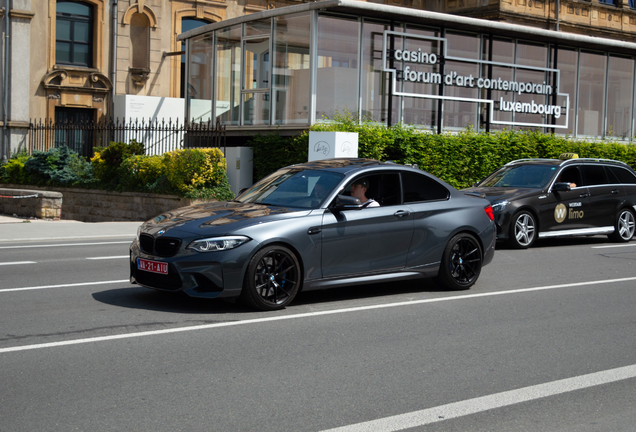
[489, 212]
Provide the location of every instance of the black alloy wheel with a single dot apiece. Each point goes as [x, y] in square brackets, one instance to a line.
[272, 279]
[461, 262]
[523, 230]
[624, 226]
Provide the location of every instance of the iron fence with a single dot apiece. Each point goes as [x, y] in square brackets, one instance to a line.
[158, 137]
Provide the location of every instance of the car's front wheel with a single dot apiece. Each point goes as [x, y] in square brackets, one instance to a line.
[523, 230]
[624, 226]
[272, 279]
[461, 262]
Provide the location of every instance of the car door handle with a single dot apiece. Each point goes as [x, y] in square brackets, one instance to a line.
[585, 195]
[401, 213]
[314, 230]
[615, 191]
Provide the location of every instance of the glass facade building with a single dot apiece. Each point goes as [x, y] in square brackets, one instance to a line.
[288, 68]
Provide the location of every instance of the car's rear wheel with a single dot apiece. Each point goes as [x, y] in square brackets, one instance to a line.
[461, 262]
[523, 230]
[272, 279]
[624, 226]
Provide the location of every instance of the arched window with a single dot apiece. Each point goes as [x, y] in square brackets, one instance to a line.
[140, 41]
[187, 24]
[74, 34]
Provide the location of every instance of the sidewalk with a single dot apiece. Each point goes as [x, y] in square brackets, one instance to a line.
[19, 228]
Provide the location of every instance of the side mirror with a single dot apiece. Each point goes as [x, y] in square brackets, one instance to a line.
[561, 187]
[345, 202]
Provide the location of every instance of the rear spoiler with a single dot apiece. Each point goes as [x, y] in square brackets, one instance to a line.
[475, 194]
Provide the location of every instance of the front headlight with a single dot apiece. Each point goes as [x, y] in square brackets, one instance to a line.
[498, 207]
[217, 243]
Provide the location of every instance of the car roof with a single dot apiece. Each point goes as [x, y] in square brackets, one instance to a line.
[561, 162]
[340, 164]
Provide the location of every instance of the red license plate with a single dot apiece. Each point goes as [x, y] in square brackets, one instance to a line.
[152, 266]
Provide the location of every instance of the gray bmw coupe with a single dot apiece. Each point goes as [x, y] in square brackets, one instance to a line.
[310, 226]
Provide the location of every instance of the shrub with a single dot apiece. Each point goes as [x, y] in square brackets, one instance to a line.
[191, 171]
[108, 160]
[144, 173]
[273, 151]
[13, 170]
[58, 166]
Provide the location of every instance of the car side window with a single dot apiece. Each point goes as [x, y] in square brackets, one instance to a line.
[594, 175]
[570, 175]
[623, 175]
[419, 188]
[383, 188]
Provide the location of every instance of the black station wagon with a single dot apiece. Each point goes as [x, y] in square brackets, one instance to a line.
[537, 198]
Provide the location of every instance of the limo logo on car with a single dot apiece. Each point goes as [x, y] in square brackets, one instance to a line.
[560, 213]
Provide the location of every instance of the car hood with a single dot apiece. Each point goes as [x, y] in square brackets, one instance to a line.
[493, 194]
[208, 217]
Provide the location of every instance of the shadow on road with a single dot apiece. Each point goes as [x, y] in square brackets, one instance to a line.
[148, 299]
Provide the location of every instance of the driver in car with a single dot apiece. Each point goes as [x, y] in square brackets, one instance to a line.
[359, 190]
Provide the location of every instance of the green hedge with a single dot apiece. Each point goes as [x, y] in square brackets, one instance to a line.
[459, 159]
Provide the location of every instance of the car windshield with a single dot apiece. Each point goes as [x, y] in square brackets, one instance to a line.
[521, 176]
[293, 188]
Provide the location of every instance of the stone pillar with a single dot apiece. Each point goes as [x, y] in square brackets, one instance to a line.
[20, 16]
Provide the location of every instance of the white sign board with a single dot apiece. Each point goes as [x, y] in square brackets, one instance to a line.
[328, 145]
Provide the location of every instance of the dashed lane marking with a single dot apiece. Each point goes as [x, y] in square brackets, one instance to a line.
[108, 257]
[63, 285]
[63, 245]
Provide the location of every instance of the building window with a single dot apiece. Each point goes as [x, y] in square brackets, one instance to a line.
[337, 74]
[591, 94]
[610, 2]
[290, 68]
[186, 25]
[74, 34]
[228, 77]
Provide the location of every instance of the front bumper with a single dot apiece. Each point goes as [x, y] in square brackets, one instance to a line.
[502, 221]
[207, 275]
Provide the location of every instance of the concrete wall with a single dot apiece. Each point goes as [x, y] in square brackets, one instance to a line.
[31, 203]
[88, 205]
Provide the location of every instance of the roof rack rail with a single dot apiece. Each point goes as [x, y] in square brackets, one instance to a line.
[529, 160]
[595, 160]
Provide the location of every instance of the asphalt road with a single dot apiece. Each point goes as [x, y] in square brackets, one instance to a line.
[545, 341]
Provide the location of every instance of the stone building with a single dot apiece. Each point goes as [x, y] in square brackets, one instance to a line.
[73, 59]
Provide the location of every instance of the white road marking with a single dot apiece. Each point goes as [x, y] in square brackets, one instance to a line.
[484, 403]
[614, 246]
[64, 285]
[86, 237]
[18, 263]
[60, 245]
[284, 317]
[108, 257]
